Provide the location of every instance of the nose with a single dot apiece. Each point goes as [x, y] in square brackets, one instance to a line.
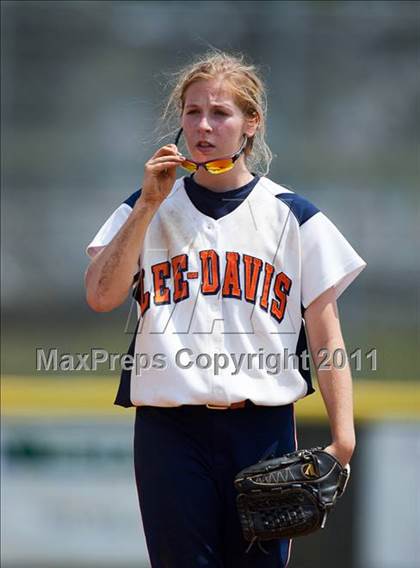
[204, 124]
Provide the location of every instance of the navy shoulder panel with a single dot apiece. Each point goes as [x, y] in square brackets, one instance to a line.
[130, 201]
[301, 208]
[301, 348]
[123, 397]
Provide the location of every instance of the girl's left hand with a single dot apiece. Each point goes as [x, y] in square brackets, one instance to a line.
[341, 452]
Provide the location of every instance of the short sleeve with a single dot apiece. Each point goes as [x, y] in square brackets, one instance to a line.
[328, 259]
[112, 225]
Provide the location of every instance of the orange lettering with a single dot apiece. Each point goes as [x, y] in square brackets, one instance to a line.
[210, 279]
[252, 275]
[281, 290]
[231, 284]
[142, 297]
[161, 272]
[269, 271]
[179, 266]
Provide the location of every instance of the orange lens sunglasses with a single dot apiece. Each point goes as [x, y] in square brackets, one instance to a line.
[215, 167]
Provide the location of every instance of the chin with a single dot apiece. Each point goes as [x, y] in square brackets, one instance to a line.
[200, 156]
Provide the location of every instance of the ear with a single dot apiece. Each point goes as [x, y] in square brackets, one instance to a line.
[251, 125]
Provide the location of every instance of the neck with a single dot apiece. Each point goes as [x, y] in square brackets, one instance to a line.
[236, 177]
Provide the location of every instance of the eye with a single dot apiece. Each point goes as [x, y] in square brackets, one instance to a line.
[192, 111]
[220, 112]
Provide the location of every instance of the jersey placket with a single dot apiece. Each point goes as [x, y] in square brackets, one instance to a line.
[215, 321]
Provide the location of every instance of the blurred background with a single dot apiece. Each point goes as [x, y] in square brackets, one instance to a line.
[83, 84]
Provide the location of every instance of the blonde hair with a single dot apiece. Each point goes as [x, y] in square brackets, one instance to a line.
[248, 90]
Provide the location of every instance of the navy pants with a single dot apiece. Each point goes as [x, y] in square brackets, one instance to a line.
[185, 460]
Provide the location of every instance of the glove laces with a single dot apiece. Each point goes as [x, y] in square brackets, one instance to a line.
[260, 546]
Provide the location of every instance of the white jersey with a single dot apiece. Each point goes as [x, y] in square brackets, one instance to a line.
[221, 301]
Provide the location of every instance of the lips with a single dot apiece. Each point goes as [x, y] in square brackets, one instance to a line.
[204, 148]
[204, 144]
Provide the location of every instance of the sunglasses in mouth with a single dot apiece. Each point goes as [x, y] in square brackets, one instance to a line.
[215, 167]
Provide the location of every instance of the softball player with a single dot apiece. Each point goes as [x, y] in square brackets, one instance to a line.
[232, 273]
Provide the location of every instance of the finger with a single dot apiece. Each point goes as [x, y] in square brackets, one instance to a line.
[166, 158]
[158, 168]
[168, 163]
[166, 150]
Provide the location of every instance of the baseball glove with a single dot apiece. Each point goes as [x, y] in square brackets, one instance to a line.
[289, 496]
